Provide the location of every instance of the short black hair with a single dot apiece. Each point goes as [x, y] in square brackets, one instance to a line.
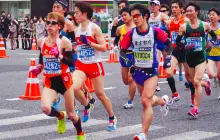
[124, 1]
[165, 6]
[125, 9]
[194, 4]
[214, 10]
[179, 2]
[85, 7]
[143, 10]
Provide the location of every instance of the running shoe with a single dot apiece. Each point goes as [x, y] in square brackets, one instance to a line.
[87, 113]
[165, 109]
[174, 99]
[208, 89]
[112, 125]
[158, 88]
[186, 84]
[141, 136]
[61, 125]
[81, 136]
[76, 110]
[181, 76]
[193, 112]
[219, 96]
[128, 106]
[192, 102]
[56, 104]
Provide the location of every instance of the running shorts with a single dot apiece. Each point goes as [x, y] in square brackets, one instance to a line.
[130, 56]
[179, 54]
[91, 70]
[195, 58]
[214, 58]
[59, 83]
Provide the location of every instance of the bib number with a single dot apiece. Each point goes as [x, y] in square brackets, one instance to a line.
[144, 58]
[86, 53]
[52, 66]
[196, 42]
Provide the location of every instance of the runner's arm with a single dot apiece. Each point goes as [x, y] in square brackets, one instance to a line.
[67, 56]
[114, 27]
[40, 62]
[211, 32]
[99, 38]
[117, 36]
[180, 35]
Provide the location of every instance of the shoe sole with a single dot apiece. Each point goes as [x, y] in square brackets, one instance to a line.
[190, 114]
[136, 138]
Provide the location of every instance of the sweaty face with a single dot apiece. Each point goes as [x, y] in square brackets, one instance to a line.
[58, 8]
[155, 8]
[191, 13]
[137, 18]
[121, 5]
[176, 10]
[79, 16]
[213, 17]
[125, 17]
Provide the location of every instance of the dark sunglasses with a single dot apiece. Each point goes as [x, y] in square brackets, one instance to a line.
[163, 11]
[51, 22]
[136, 15]
[70, 19]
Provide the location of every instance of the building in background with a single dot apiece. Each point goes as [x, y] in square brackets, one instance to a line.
[17, 8]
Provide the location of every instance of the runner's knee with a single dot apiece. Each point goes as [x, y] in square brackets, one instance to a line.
[146, 102]
[46, 109]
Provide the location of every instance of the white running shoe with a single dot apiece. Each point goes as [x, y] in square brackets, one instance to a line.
[128, 106]
[158, 88]
[141, 136]
[165, 109]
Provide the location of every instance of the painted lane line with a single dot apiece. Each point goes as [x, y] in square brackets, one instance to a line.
[8, 111]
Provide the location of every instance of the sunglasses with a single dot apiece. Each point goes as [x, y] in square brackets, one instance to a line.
[163, 11]
[136, 15]
[51, 22]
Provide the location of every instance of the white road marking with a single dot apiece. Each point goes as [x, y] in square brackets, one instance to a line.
[8, 111]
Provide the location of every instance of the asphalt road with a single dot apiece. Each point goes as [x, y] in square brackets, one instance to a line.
[23, 120]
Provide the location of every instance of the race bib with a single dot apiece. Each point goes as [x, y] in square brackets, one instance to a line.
[174, 36]
[52, 65]
[217, 42]
[86, 53]
[144, 58]
[196, 42]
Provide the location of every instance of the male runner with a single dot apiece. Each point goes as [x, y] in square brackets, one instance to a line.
[90, 44]
[145, 63]
[126, 76]
[55, 58]
[194, 33]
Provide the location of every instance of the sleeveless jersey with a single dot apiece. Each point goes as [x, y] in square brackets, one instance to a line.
[87, 54]
[145, 51]
[215, 51]
[123, 31]
[196, 37]
[174, 29]
[156, 22]
[52, 65]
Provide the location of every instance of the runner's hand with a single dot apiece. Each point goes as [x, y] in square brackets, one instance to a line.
[84, 39]
[167, 62]
[55, 51]
[36, 71]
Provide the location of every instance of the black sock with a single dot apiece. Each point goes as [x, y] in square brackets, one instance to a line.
[88, 106]
[78, 126]
[54, 113]
[192, 89]
[171, 83]
[112, 118]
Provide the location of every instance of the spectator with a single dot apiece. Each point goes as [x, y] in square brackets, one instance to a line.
[40, 28]
[12, 34]
[17, 27]
[21, 32]
[1, 26]
[5, 31]
[27, 33]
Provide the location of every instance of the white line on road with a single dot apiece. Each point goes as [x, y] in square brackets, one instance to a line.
[45, 129]
[31, 58]
[192, 135]
[109, 88]
[123, 131]
[28, 54]
[7, 111]
[13, 99]
[24, 119]
[162, 82]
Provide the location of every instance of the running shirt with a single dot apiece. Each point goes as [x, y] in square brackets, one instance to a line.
[52, 65]
[63, 33]
[155, 22]
[195, 37]
[123, 31]
[215, 51]
[174, 29]
[144, 48]
[87, 54]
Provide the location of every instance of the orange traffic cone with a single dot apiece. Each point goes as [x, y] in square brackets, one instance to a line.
[89, 85]
[32, 91]
[2, 49]
[113, 58]
[34, 44]
[106, 42]
[162, 71]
